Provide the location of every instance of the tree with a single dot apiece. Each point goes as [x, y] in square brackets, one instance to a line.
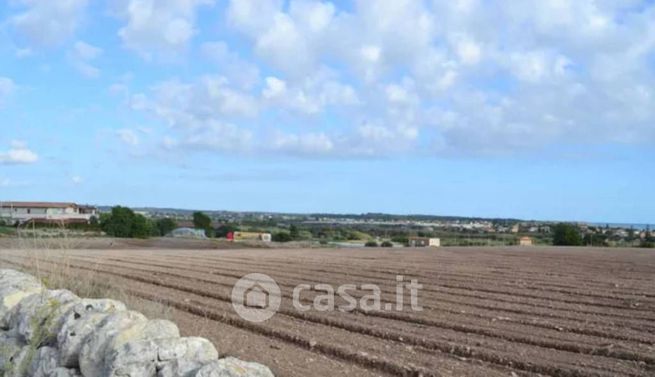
[119, 222]
[202, 221]
[223, 230]
[649, 239]
[593, 239]
[94, 223]
[141, 227]
[124, 223]
[282, 237]
[165, 225]
[566, 235]
[400, 239]
[294, 232]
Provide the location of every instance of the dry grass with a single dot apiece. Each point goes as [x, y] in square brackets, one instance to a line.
[48, 259]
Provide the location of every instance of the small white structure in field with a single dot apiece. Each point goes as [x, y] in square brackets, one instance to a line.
[424, 242]
[525, 241]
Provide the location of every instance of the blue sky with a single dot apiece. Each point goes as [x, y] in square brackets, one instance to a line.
[537, 110]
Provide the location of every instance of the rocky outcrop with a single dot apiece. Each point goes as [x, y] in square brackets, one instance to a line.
[54, 333]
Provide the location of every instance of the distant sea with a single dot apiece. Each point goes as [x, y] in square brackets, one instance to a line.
[626, 226]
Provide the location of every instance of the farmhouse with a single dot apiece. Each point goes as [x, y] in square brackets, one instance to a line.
[45, 212]
[424, 242]
[525, 241]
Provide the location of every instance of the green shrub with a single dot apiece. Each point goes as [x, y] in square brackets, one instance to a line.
[400, 239]
[119, 222]
[566, 235]
[165, 226]
[282, 237]
[371, 244]
[386, 244]
[122, 222]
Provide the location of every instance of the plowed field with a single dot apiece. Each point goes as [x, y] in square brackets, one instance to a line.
[486, 311]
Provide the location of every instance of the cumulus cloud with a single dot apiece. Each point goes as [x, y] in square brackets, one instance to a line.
[309, 144]
[311, 96]
[158, 27]
[278, 35]
[7, 182]
[191, 105]
[240, 72]
[18, 153]
[82, 56]
[464, 77]
[48, 23]
[128, 136]
[7, 88]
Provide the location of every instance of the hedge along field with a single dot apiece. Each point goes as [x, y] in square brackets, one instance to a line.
[486, 311]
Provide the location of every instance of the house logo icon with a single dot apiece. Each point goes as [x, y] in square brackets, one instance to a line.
[256, 297]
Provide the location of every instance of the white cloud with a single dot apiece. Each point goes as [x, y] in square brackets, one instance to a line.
[18, 153]
[237, 70]
[398, 94]
[311, 96]
[22, 53]
[77, 180]
[192, 105]
[278, 35]
[7, 182]
[128, 136]
[86, 51]
[253, 16]
[7, 88]
[409, 76]
[159, 27]
[216, 136]
[275, 88]
[48, 23]
[371, 53]
[82, 55]
[468, 51]
[304, 144]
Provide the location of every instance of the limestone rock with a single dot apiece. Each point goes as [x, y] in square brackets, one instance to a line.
[172, 357]
[53, 333]
[63, 372]
[43, 362]
[150, 330]
[10, 346]
[95, 345]
[14, 287]
[75, 310]
[233, 367]
[33, 315]
[72, 335]
[20, 362]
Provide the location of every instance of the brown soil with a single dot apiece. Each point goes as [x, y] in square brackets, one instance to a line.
[486, 311]
[104, 243]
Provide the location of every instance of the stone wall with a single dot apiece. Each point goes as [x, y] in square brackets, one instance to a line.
[54, 333]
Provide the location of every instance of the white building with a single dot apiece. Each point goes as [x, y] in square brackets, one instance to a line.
[22, 212]
[424, 242]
